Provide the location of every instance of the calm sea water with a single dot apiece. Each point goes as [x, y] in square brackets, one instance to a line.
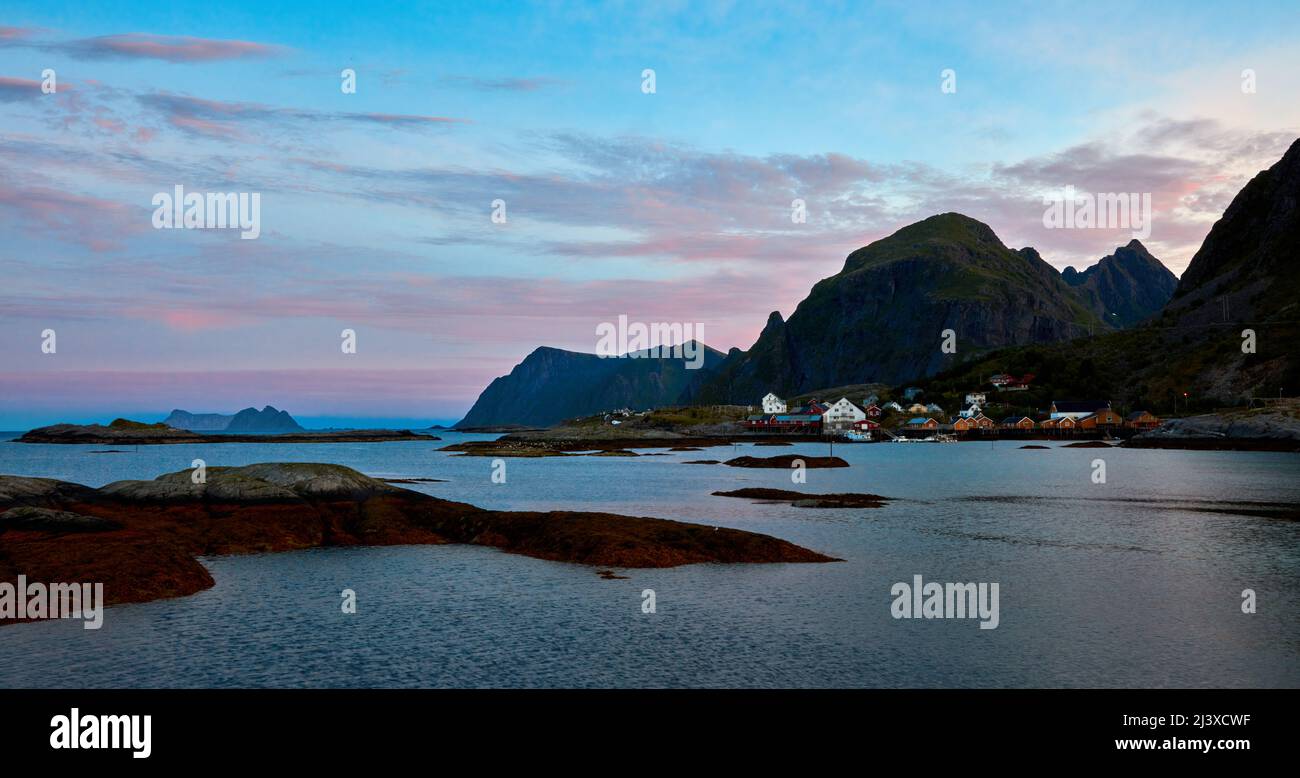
[1120, 584]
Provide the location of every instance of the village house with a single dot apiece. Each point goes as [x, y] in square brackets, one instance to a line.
[1103, 419]
[893, 406]
[773, 404]
[866, 425]
[841, 415]
[1017, 423]
[983, 422]
[969, 413]
[871, 399]
[1141, 420]
[916, 408]
[1077, 409]
[976, 398]
[963, 424]
[933, 408]
[873, 411]
[1010, 383]
[919, 423]
[797, 422]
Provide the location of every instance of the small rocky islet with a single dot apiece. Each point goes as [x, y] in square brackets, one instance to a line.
[142, 539]
[808, 500]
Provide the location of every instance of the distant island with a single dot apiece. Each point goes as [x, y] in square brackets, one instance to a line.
[267, 420]
[124, 432]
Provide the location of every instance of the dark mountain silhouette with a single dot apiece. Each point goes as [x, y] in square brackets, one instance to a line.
[881, 318]
[552, 385]
[267, 420]
[1124, 288]
[1229, 333]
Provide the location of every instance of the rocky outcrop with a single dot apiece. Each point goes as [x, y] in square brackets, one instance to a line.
[1262, 429]
[787, 461]
[26, 518]
[803, 500]
[141, 539]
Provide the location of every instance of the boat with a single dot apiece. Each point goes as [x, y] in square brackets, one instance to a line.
[854, 436]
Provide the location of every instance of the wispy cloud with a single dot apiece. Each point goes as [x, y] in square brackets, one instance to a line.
[222, 119]
[168, 48]
[515, 84]
[15, 89]
[16, 33]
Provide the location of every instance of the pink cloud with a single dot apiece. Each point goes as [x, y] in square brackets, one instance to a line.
[98, 224]
[170, 48]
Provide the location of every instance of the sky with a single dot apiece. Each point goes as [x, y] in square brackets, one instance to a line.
[670, 205]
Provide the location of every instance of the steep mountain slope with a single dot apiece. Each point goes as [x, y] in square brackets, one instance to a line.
[1124, 288]
[1249, 257]
[881, 318]
[552, 384]
[1242, 278]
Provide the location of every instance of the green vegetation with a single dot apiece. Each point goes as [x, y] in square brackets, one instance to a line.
[127, 424]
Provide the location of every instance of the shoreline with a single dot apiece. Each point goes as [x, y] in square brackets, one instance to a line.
[142, 539]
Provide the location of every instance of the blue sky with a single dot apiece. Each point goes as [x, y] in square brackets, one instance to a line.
[672, 206]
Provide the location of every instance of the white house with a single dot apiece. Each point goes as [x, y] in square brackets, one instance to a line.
[1075, 410]
[893, 406]
[971, 412]
[976, 398]
[933, 408]
[773, 404]
[841, 415]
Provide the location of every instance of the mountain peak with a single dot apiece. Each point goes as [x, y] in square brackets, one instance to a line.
[1124, 287]
[951, 235]
[950, 226]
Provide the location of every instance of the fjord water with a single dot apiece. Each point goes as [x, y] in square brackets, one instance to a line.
[1121, 584]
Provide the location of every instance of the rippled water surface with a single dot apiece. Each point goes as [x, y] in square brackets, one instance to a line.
[1128, 583]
